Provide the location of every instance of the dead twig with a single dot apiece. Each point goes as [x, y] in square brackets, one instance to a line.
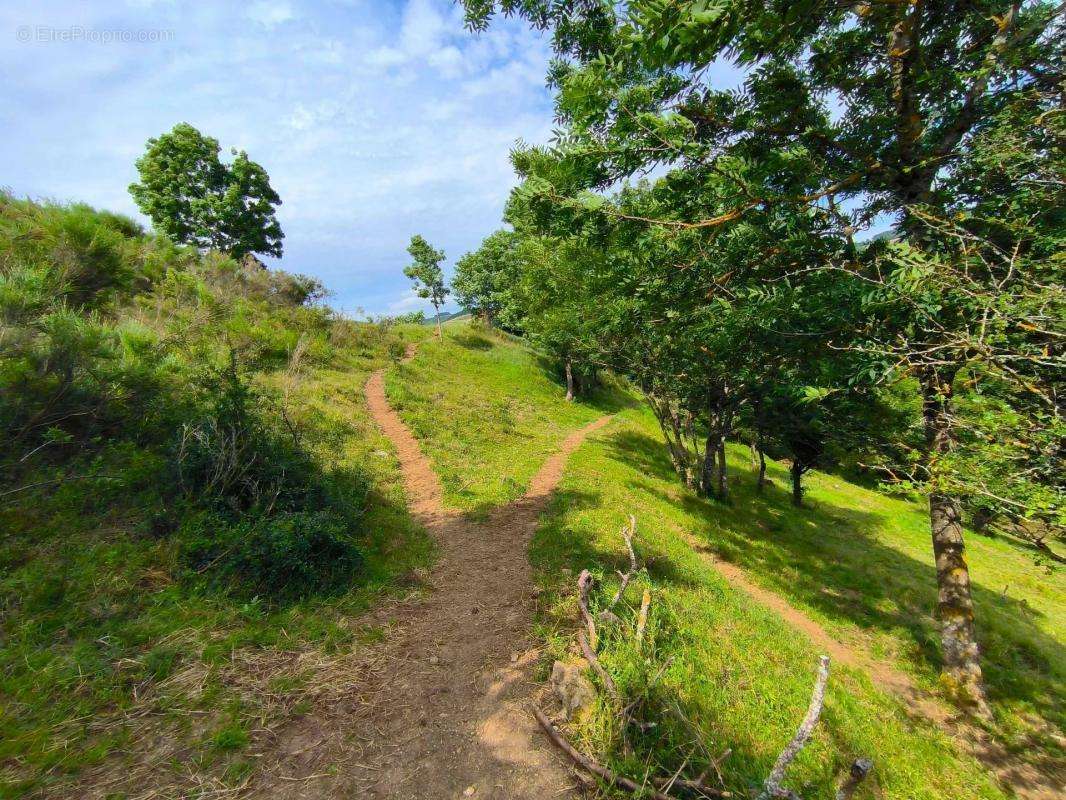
[584, 585]
[642, 617]
[594, 662]
[628, 532]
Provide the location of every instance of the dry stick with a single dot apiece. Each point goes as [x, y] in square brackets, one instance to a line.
[628, 531]
[772, 788]
[589, 765]
[584, 584]
[594, 662]
[860, 768]
[642, 617]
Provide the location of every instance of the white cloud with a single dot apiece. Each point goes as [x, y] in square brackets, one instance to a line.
[271, 13]
[374, 122]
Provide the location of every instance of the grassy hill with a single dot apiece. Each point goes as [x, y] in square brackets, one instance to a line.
[856, 561]
[192, 501]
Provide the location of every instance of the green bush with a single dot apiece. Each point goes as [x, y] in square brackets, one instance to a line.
[133, 365]
[284, 556]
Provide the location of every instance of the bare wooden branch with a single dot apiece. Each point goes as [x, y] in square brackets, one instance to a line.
[628, 532]
[584, 585]
[642, 617]
[597, 667]
[772, 788]
[595, 768]
[860, 768]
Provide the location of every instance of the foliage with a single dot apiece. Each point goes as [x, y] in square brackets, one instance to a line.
[425, 273]
[138, 551]
[734, 288]
[193, 198]
[486, 281]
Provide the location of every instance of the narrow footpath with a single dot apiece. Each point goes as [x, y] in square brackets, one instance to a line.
[450, 715]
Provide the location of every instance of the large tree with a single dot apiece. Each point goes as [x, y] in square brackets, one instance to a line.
[851, 113]
[192, 197]
[486, 280]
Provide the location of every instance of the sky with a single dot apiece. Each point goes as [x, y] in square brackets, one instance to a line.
[375, 119]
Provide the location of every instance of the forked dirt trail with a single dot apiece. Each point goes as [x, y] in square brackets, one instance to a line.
[450, 718]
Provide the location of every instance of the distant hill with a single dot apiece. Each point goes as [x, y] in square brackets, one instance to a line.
[445, 317]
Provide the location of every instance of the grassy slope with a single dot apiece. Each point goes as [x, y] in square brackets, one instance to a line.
[98, 629]
[856, 561]
[487, 416]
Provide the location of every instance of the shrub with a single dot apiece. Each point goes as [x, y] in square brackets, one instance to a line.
[285, 556]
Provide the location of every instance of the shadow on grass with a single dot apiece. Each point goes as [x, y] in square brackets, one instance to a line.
[471, 340]
[826, 558]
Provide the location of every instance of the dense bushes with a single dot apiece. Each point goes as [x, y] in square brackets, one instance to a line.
[123, 354]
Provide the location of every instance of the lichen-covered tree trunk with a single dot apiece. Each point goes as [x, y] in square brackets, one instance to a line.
[962, 657]
[710, 468]
[760, 484]
[569, 367]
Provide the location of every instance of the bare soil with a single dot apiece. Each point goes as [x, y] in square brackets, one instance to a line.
[449, 715]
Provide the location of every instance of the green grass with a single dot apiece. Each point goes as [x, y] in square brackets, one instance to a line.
[486, 413]
[98, 626]
[855, 560]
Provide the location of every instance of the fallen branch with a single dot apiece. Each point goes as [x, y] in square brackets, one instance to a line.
[584, 585]
[860, 768]
[772, 788]
[628, 532]
[642, 617]
[597, 667]
[589, 765]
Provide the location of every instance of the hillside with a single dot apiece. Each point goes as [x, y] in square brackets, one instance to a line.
[223, 565]
[154, 630]
[854, 565]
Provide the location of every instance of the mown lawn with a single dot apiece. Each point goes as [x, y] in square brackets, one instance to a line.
[855, 560]
[107, 654]
[486, 413]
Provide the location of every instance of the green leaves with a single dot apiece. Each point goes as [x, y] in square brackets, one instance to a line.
[193, 198]
[425, 272]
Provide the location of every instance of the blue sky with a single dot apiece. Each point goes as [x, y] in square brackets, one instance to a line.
[375, 120]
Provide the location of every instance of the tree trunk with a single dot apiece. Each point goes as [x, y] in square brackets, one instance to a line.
[796, 471]
[707, 476]
[440, 332]
[958, 639]
[723, 472]
[760, 484]
[569, 379]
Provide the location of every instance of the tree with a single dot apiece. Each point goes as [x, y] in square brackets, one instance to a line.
[486, 279]
[426, 274]
[193, 198]
[847, 112]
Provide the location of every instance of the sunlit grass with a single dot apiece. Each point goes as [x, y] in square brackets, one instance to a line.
[856, 561]
[486, 413]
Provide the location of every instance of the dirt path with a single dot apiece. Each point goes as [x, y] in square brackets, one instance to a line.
[1024, 779]
[449, 717]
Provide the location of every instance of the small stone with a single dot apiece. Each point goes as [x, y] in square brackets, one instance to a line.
[434, 660]
[469, 791]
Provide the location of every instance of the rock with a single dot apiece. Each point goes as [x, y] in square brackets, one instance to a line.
[469, 791]
[570, 685]
[434, 660]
